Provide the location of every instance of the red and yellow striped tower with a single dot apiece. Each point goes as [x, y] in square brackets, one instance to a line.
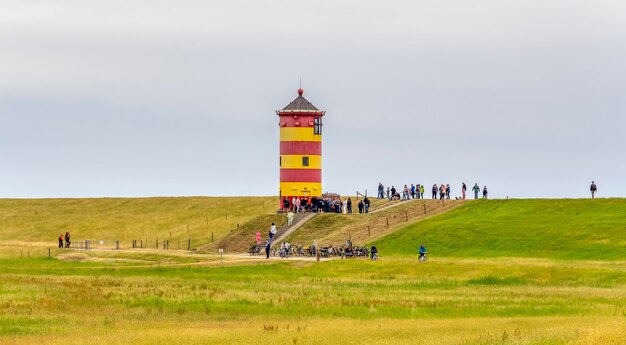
[300, 149]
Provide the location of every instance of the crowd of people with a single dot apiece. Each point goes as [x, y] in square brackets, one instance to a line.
[331, 203]
[416, 191]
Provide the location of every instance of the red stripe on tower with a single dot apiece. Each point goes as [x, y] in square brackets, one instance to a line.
[300, 175]
[300, 147]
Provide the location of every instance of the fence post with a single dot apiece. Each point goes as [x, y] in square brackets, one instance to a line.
[406, 215]
[387, 218]
[211, 237]
[117, 245]
[48, 252]
[189, 244]
[424, 208]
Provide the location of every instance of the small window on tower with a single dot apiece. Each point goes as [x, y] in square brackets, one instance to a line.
[305, 161]
[317, 126]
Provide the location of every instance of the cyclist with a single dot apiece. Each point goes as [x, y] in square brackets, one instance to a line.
[422, 252]
[374, 252]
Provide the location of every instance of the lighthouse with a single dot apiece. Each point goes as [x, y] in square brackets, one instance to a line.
[300, 159]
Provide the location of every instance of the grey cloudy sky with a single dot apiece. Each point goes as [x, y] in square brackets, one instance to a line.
[152, 97]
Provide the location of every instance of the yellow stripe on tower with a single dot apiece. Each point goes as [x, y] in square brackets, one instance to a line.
[298, 134]
[301, 188]
[295, 162]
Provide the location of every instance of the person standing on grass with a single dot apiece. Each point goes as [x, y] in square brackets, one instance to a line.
[290, 218]
[360, 206]
[422, 191]
[476, 189]
[412, 191]
[463, 190]
[267, 249]
[593, 189]
[349, 205]
[258, 237]
[485, 192]
[381, 190]
[388, 193]
[434, 191]
[67, 239]
[448, 190]
[366, 202]
[61, 241]
[272, 232]
[442, 191]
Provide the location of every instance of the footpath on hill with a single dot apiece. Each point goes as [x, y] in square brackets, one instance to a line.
[332, 228]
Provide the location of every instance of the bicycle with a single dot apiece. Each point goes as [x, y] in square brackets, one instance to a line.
[422, 257]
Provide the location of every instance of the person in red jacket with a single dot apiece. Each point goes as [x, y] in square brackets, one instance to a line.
[61, 241]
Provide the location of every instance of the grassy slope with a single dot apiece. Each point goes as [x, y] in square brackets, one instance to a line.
[336, 228]
[561, 229]
[125, 219]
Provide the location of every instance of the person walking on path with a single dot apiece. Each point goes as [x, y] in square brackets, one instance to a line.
[349, 205]
[290, 216]
[463, 190]
[476, 189]
[485, 192]
[593, 189]
[258, 237]
[272, 232]
[61, 241]
[366, 202]
[267, 249]
[67, 239]
[381, 190]
[422, 191]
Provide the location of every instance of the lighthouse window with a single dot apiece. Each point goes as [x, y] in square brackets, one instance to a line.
[317, 126]
[305, 161]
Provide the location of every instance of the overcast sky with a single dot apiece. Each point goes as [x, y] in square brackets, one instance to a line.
[152, 97]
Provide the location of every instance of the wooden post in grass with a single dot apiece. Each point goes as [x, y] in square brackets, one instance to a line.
[406, 215]
[117, 245]
[424, 208]
[141, 244]
[211, 237]
[48, 252]
[387, 218]
[189, 244]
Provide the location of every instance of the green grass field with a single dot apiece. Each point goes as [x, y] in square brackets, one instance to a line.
[557, 229]
[478, 288]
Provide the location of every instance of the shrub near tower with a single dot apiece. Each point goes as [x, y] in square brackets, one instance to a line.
[300, 149]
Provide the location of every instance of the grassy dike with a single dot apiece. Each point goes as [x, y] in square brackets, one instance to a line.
[558, 229]
[480, 292]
